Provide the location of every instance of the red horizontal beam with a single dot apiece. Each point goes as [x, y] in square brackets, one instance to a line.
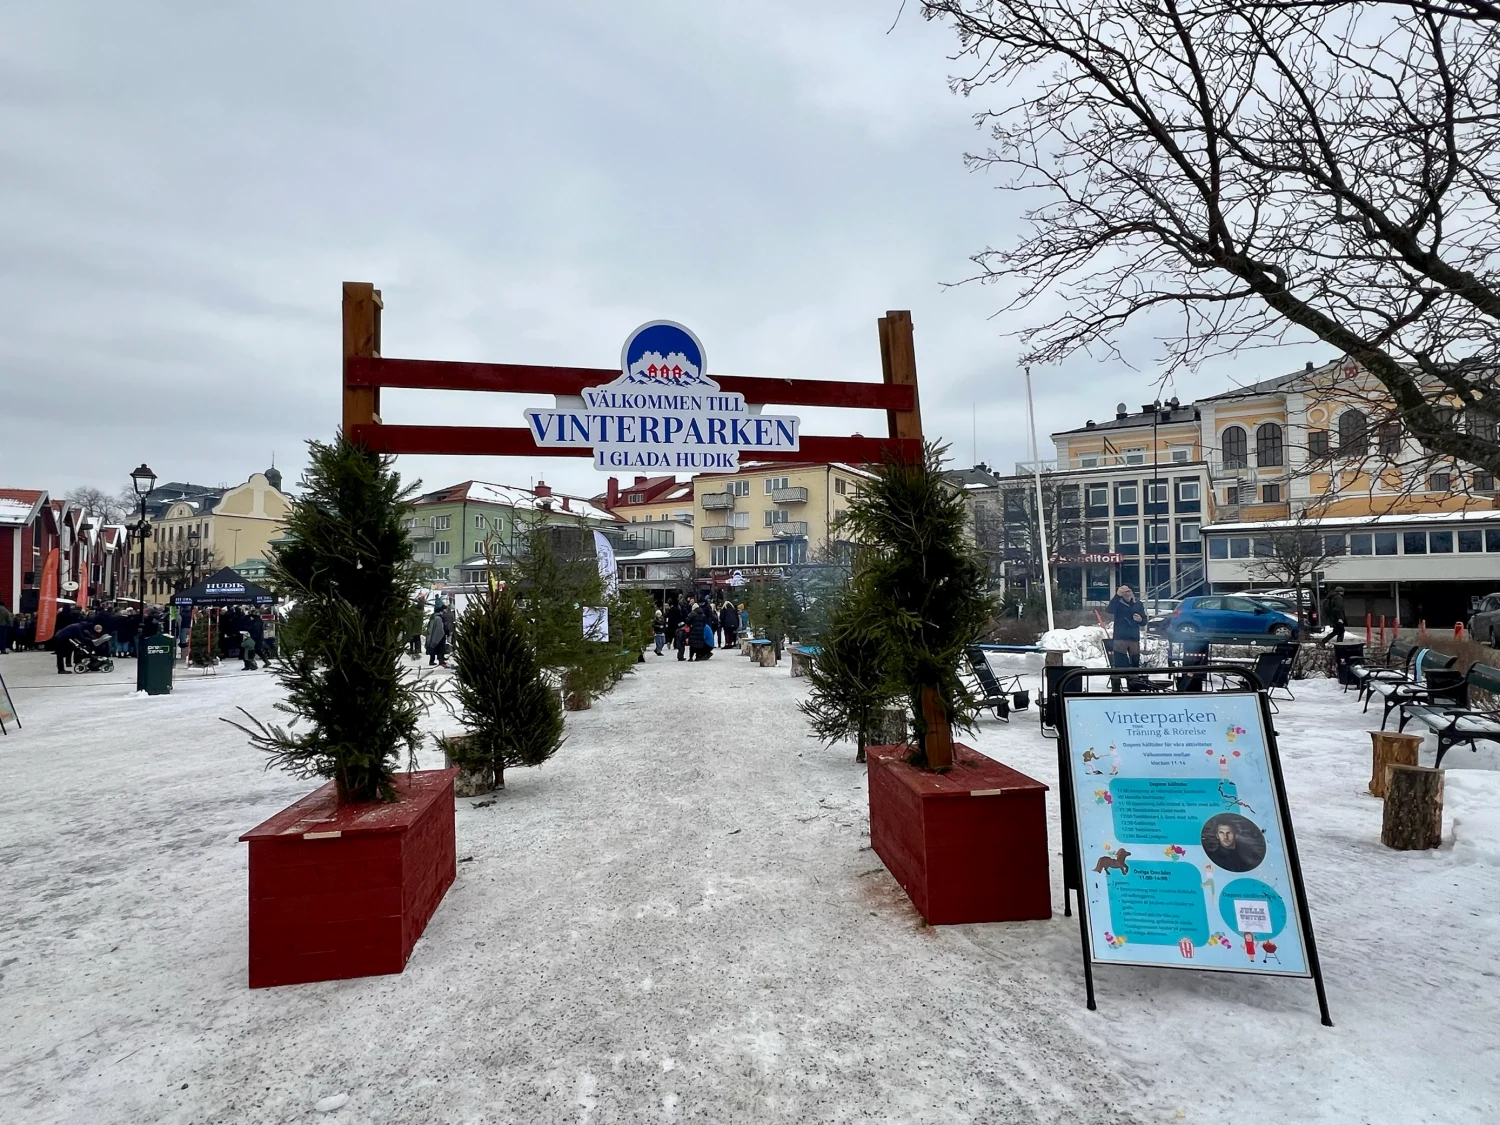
[516, 441]
[520, 378]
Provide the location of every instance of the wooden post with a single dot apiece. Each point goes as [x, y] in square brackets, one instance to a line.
[898, 364]
[1390, 748]
[1413, 808]
[938, 744]
[362, 307]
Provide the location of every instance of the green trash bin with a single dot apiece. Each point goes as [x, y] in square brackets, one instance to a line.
[153, 670]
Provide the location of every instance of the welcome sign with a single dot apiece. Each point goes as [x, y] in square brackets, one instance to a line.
[663, 412]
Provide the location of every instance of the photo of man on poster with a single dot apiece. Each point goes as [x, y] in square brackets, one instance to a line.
[1233, 842]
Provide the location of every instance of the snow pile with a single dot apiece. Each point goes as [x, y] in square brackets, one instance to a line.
[1471, 809]
[1084, 645]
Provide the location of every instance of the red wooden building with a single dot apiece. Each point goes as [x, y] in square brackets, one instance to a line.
[28, 530]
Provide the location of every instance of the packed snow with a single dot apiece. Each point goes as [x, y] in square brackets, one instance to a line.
[679, 918]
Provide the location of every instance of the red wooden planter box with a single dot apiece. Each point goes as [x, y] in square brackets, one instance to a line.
[345, 891]
[969, 845]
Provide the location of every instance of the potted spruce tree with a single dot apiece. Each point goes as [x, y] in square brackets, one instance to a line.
[512, 715]
[965, 835]
[343, 882]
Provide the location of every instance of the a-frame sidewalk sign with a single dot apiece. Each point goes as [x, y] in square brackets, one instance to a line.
[7, 709]
[366, 371]
[1177, 836]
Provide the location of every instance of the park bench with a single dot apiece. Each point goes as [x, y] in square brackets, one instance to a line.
[992, 694]
[1459, 722]
[803, 657]
[1396, 669]
[1432, 679]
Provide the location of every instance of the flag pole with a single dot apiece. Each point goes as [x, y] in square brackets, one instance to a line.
[1041, 511]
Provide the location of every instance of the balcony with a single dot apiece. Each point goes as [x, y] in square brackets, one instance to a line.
[797, 530]
[716, 533]
[718, 501]
[796, 495]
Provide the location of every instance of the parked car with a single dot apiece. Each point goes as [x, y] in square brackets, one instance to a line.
[1230, 613]
[1484, 625]
[1159, 613]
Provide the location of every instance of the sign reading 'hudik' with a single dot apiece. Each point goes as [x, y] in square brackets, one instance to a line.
[663, 412]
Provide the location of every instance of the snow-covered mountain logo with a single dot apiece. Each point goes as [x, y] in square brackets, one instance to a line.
[663, 353]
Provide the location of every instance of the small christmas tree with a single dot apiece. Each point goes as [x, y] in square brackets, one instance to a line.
[202, 649]
[347, 563]
[510, 710]
[850, 680]
[927, 595]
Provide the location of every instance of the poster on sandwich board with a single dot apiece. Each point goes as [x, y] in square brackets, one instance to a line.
[1180, 834]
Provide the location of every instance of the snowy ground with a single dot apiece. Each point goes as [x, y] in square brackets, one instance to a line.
[679, 919]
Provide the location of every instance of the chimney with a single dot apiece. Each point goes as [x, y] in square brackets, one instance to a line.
[639, 481]
[542, 489]
[1121, 412]
[611, 493]
[1148, 407]
[1089, 425]
[565, 505]
[1309, 365]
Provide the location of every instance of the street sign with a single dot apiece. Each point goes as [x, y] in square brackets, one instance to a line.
[663, 412]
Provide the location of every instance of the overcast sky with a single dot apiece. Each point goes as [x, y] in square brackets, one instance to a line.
[184, 186]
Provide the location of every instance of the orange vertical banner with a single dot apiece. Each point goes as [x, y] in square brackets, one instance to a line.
[82, 597]
[46, 609]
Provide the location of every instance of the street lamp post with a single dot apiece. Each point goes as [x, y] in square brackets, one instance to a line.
[143, 480]
[192, 540]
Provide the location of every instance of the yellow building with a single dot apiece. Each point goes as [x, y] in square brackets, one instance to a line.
[198, 536]
[1325, 441]
[768, 515]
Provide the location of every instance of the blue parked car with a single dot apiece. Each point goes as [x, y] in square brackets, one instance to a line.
[1229, 613]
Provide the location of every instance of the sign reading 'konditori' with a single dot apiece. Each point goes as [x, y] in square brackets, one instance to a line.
[663, 412]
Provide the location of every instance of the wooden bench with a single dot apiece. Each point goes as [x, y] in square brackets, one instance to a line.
[763, 652]
[1433, 680]
[1459, 723]
[803, 657]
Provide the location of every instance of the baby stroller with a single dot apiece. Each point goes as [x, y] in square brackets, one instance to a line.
[92, 656]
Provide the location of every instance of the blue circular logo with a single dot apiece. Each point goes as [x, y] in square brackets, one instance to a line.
[664, 353]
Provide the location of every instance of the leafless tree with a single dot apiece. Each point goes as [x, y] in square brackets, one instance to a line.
[1290, 556]
[1255, 167]
[100, 505]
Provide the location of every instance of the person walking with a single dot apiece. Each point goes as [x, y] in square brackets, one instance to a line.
[659, 630]
[414, 615]
[437, 637]
[1129, 616]
[1333, 613]
[697, 623]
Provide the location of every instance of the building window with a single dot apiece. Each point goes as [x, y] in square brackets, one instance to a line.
[1484, 482]
[773, 483]
[1098, 496]
[1187, 490]
[1414, 542]
[1088, 462]
[1187, 532]
[1263, 549]
[1124, 495]
[1440, 482]
[1239, 547]
[737, 487]
[633, 573]
[410, 525]
[1218, 547]
[1385, 542]
[1440, 542]
[636, 498]
[1135, 457]
[1156, 492]
[742, 519]
[1232, 495]
[481, 521]
[1333, 545]
[772, 554]
[441, 547]
[1098, 538]
[441, 523]
[1268, 445]
[718, 556]
[1232, 442]
[1470, 542]
[1388, 438]
[1270, 494]
[1317, 443]
[1158, 532]
[840, 485]
[1127, 534]
[773, 517]
[479, 546]
[1181, 454]
[1354, 432]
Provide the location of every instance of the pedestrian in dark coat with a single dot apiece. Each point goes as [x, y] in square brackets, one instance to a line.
[62, 644]
[437, 638]
[699, 643]
[729, 618]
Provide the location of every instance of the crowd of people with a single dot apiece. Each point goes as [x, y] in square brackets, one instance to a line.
[696, 626]
[102, 630]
